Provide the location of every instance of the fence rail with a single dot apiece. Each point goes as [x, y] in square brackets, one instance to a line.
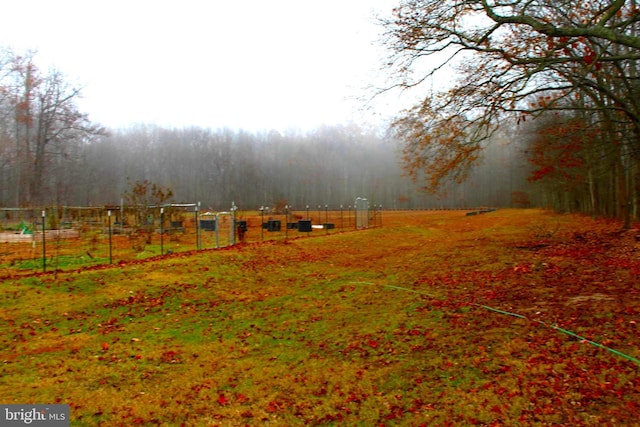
[63, 238]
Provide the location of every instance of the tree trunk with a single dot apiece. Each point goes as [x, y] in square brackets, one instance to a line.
[592, 194]
[622, 194]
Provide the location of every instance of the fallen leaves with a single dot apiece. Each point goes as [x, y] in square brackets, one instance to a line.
[384, 327]
[171, 357]
[222, 400]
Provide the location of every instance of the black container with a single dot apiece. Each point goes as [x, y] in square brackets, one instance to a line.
[304, 226]
[273, 225]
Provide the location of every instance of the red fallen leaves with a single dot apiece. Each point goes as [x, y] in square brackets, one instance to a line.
[171, 356]
[241, 398]
[496, 409]
[415, 331]
[222, 400]
[395, 412]
[330, 418]
[584, 284]
[522, 268]
[110, 326]
[624, 263]
[353, 397]
[276, 406]
[585, 389]
[575, 251]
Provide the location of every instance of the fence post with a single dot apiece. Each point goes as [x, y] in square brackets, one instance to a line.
[109, 228]
[161, 231]
[44, 246]
[286, 222]
[121, 216]
[232, 229]
[326, 218]
[217, 227]
[197, 208]
[355, 213]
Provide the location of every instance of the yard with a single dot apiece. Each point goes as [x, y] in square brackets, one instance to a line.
[513, 317]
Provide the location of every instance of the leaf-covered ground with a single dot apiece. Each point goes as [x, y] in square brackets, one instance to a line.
[515, 317]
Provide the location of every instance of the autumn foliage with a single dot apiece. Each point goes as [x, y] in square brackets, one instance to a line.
[479, 70]
[515, 317]
[557, 151]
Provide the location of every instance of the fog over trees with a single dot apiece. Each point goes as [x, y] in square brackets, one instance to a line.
[53, 155]
[331, 165]
[540, 108]
[543, 112]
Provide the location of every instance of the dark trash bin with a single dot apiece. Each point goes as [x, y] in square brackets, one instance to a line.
[304, 226]
[273, 225]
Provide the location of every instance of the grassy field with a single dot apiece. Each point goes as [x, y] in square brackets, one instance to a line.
[515, 317]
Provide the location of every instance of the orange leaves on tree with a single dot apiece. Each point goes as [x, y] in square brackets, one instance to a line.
[437, 146]
[558, 151]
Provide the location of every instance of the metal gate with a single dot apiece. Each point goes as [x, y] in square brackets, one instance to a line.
[362, 213]
[218, 229]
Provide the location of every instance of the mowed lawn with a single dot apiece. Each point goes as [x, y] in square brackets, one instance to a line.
[514, 317]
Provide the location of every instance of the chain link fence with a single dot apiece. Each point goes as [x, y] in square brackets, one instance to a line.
[64, 238]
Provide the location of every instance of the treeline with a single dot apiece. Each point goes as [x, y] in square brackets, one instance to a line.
[567, 76]
[585, 163]
[52, 154]
[330, 165]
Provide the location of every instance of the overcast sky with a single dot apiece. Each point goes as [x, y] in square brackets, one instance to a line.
[251, 64]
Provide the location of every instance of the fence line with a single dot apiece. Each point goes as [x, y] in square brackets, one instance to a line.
[65, 237]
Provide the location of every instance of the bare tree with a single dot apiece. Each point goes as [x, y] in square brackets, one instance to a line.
[47, 126]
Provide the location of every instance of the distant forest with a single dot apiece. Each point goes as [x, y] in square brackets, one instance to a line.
[52, 154]
[543, 111]
[330, 165]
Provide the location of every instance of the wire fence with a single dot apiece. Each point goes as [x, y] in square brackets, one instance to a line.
[64, 238]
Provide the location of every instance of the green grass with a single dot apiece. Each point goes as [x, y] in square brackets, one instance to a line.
[377, 327]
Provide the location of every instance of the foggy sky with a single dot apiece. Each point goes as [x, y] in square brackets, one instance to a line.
[252, 64]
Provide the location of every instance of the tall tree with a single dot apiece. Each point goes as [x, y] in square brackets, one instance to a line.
[513, 59]
[47, 127]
